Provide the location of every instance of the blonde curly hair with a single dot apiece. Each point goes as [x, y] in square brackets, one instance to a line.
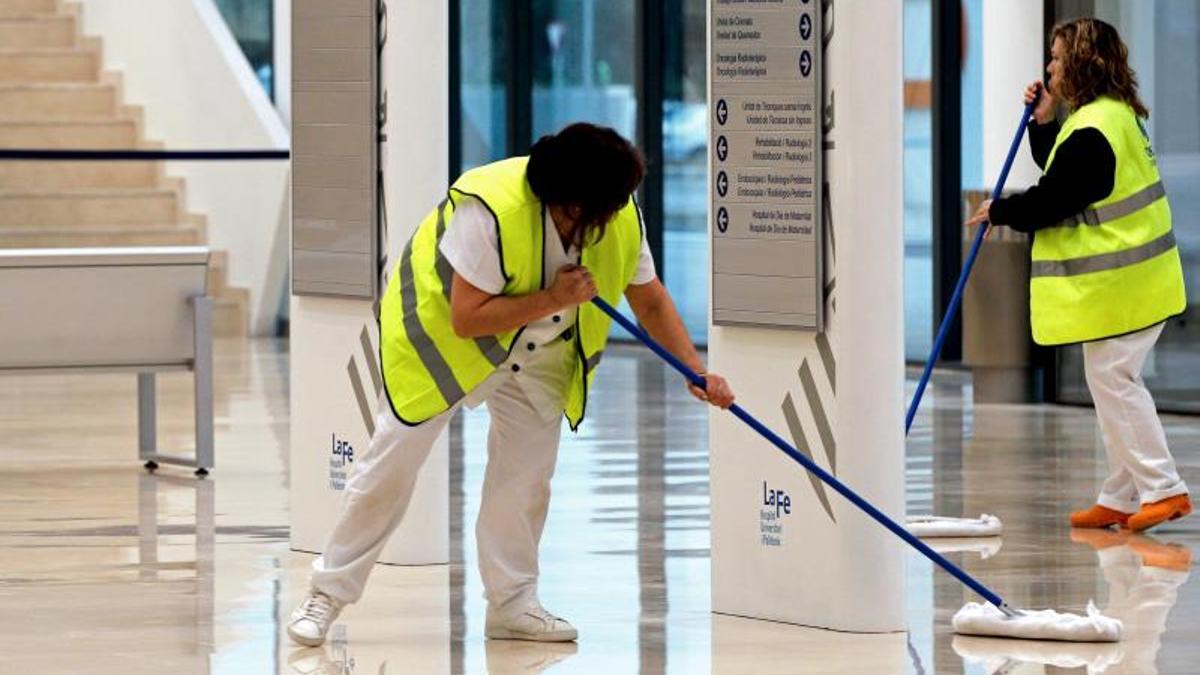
[1095, 63]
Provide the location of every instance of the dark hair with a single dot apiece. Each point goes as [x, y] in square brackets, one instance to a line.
[589, 167]
[1095, 63]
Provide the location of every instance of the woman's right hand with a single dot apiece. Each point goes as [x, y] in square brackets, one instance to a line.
[573, 285]
[1044, 111]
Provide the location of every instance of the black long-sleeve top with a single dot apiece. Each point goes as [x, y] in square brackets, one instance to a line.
[1083, 173]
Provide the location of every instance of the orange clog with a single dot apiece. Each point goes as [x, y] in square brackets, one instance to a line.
[1164, 556]
[1098, 516]
[1160, 512]
[1100, 539]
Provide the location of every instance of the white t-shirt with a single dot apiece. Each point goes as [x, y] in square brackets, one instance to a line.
[542, 361]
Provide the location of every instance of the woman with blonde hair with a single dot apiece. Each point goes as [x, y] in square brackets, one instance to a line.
[1106, 271]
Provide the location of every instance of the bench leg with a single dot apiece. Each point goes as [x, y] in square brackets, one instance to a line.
[147, 420]
[206, 577]
[147, 527]
[202, 375]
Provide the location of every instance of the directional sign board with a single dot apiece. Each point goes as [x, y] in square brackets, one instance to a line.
[766, 141]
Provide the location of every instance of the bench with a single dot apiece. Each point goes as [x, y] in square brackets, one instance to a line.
[137, 310]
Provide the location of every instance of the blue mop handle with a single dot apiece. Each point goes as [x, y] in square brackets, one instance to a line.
[807, 463]
[956, 299]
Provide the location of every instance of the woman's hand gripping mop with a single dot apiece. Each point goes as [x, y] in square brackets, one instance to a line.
[995, 618]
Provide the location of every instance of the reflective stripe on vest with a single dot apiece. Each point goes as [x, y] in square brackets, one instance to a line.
[1114, 268]
[427, 351]
[1119, 209]
[1104, 261]
[594, 360]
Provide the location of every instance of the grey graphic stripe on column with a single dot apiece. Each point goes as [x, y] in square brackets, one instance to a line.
[827, 360]
[364, 407]
[372, 365]
[801, 442]
[818, 413]
[827, 220]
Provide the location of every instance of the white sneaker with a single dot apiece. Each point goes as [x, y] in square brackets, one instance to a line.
[534, 624]
[312, 619]
[312, 661]
[518, 657]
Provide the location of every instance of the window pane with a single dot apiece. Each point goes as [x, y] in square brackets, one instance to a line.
[918, 184]
[685, 145]
[483, 73]
[252, 23]
[584, 60]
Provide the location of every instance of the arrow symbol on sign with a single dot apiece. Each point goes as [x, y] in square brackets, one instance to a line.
[722, 183]
[805, 63]
[722, 148]
[805, 26]
[722, 219]
[722, 112]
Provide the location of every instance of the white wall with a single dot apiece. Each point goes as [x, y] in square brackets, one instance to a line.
[835, 569]
[325, 332]
[180, 62]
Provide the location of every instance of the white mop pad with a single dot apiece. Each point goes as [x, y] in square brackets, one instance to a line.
[993, 653]
[1046, 624]
[986, 547]
[940, 526]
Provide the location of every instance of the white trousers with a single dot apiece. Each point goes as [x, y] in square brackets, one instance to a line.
[1141, 469]
[522, 450]
[1140, 597]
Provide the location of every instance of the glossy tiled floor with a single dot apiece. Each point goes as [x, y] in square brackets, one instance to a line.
[106, 569]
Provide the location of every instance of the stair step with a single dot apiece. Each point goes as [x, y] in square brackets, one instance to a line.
[81, 227]
[49, 65]
[21, 175]
[28, 7]
[218, 272]
[101, 134]
[152, 235]
[57, 101]
[37, 31]
[231, 312]
[99, 207]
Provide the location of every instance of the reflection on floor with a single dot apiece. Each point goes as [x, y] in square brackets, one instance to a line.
[106, 569]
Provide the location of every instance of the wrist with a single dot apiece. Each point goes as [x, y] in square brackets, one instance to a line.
[553, 303]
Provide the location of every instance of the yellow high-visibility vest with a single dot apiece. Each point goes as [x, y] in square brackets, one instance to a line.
[426, 367]
[1114, 268]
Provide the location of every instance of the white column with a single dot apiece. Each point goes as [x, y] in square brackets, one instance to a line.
[326, 332]
[833, 566]
[1013, 43]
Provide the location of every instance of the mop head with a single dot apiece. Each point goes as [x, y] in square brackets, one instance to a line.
[986, 547]
[1046, 624]
[938, 526]
[995, 653]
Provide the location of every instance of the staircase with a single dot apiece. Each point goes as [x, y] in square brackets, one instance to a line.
[54, 93]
